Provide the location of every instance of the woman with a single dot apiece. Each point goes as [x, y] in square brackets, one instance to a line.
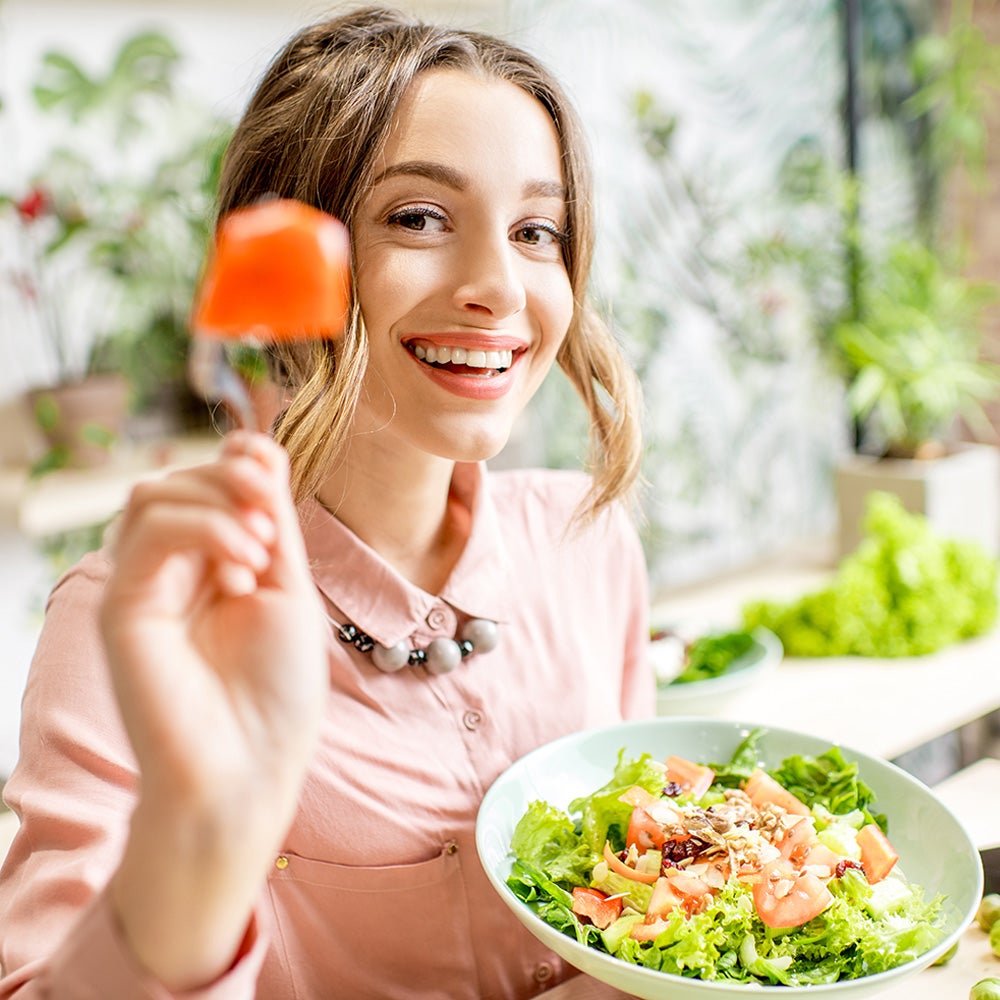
[226, 788]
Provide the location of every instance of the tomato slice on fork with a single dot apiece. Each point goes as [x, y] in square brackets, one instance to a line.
[278, 271]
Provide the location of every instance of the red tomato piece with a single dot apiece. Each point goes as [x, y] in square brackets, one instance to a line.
[595, 906]
[784, 897]
[878, 856]
[687, 885]
[693, 778]
[762, 789]
[694, 892]
[637, 796]
[802, 847]
[648, 931]
[798, 839]
[280, 269]
[665, 898]
[644, 831]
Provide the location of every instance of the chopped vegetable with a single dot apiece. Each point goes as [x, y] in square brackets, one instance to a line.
[989, 911]
[905, 591]
[712, 655]
[986, 989]
[734, 878]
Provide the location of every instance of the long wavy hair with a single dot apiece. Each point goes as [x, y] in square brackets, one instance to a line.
[313, 131]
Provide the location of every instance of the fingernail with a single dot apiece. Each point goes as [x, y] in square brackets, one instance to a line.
[261, 526]
[237, 580]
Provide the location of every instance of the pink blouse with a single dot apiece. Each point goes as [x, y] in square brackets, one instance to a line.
[378, 891]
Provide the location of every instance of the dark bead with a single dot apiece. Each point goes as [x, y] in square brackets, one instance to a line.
[347, 633]
[364, 643]
[466, 647]
[417, 658]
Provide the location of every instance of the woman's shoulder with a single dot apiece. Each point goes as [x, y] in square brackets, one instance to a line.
[529, 488]
[550, 499]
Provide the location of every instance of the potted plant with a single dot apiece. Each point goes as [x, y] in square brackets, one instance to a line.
[111, 231]
[914, 370]
[910, 348]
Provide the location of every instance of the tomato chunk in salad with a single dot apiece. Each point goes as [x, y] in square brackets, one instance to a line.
[600, 909]
[684, 845]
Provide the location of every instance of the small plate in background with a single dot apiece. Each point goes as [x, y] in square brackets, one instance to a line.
[706, 696]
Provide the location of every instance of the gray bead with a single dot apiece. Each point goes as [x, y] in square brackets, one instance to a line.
[443, 655]
[482, 633]
[389, 659]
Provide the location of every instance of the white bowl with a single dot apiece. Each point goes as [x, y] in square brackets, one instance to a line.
[934, 849]
[707, 696]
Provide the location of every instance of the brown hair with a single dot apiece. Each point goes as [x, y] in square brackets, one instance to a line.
[313, 131]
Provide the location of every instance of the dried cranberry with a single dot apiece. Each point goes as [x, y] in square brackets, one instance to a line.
[678, 850]
[844, 864]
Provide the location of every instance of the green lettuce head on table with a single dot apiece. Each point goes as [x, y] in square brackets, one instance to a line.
[905, 591]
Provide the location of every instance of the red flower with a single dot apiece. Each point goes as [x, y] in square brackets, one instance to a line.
[33, 204]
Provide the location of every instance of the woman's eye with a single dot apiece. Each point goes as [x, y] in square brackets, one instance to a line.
[417, 220]
[538, 235]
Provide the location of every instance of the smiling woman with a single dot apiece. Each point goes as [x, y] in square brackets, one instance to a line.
[461, 248]
[259, 726]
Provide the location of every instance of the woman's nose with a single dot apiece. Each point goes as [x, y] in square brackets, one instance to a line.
[489, 279]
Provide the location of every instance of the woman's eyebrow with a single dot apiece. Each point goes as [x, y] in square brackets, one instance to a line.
[545, 189]
[439, 172]
[443, 174]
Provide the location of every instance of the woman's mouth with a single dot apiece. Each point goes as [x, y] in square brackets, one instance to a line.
[462, 361]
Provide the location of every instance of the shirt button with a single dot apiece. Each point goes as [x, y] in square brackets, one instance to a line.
[472, 719]
[438, 618]
[543, 972]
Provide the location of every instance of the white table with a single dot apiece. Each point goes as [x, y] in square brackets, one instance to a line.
[896, 705]
[67, 499]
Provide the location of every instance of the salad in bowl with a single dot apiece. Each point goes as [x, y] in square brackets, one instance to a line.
[688, 857]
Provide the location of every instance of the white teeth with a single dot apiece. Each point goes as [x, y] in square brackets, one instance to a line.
[489, 360]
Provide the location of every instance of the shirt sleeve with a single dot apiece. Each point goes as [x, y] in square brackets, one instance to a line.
[74, 790]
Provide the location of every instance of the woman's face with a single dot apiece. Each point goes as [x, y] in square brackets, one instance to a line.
[460, 273]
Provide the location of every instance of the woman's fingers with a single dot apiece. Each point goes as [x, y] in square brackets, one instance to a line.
[221, 514]
[289, 564]
[235, 517]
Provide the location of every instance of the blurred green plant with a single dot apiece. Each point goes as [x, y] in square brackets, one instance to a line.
[912, 358]
[907, 339]
[956, 73]
[905, 591]
[115, 220]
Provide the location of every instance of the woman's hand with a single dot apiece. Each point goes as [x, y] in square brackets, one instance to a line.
[217, 648]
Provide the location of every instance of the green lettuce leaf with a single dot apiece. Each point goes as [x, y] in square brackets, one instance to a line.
[604, 817]
[828, 781]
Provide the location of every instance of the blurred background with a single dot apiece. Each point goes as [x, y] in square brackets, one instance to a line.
[799, 222]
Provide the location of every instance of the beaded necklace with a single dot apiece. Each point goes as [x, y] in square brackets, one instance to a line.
[477, 635]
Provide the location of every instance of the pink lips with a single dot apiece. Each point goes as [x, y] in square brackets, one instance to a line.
[467, 382]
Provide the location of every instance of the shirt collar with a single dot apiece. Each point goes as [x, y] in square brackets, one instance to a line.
[374, 596]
